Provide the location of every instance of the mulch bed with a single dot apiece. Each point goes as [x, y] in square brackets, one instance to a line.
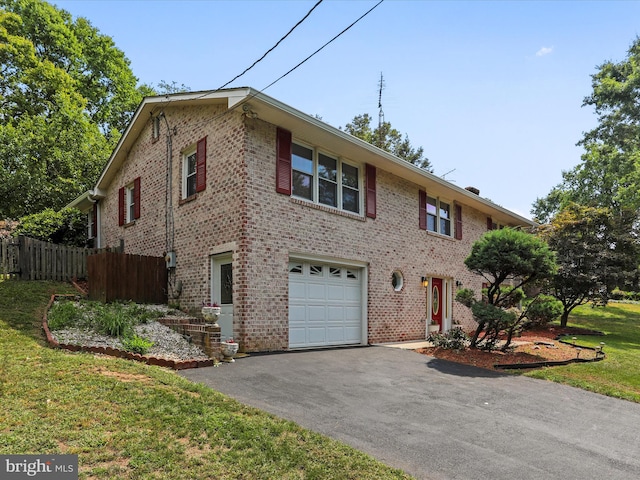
[523, 353]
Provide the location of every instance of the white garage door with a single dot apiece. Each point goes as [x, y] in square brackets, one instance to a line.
[325, 304]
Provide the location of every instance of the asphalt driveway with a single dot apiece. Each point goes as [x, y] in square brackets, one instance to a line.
[440, 420]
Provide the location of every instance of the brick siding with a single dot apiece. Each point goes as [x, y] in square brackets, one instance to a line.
[240, 212]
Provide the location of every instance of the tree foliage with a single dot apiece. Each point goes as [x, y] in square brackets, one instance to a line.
[67, 226]
[66, 94]
[508, 260]
[387, 138]
[609, 174]
[593, 257]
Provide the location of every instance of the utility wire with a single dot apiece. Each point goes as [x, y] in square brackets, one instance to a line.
[322, 47]
[272, 48]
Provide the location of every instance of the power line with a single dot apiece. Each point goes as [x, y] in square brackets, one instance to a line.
[323, 46]
[272, 48]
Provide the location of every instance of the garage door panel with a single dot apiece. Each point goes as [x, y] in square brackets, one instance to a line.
[335, 292]
[316, 291]
[324, 305]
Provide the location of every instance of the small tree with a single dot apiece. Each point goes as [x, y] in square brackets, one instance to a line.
[507, 259]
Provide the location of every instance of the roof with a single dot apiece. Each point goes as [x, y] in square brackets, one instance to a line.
[307, 128]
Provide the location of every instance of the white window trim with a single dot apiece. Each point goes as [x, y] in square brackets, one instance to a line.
[185, 170]
[316, 180]
[129, 199]
[438, 218]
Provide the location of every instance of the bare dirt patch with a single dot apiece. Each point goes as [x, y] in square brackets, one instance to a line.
[532, 346]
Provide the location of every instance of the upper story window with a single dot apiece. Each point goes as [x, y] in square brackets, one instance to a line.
[326, 180]
[130, 199]
[189, 174]
[129, 202]
[438, 216]
[194, 169]
[155, 128]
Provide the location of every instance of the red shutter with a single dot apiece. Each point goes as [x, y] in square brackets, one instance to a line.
[422, 209]
[121, 207]
[94, 221]
[283, 161]
[489, 223]
[136, 198]
[370, 178]
[201, 165]
[458, 224]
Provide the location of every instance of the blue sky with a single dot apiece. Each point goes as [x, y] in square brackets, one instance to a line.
[491, 90]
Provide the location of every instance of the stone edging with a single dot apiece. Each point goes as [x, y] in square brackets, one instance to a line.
[115, 352]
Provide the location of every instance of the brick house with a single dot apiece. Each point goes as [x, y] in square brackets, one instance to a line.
[305, 235]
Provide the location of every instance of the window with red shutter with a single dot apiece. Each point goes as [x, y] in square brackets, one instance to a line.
[201, 165]
[422, 209]
[370, 175]
[283, 161]
[458, 224]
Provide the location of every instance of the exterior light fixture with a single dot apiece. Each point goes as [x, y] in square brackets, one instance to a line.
[425, 282]
[458, 283]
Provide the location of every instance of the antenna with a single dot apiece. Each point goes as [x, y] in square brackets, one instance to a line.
[380, 112]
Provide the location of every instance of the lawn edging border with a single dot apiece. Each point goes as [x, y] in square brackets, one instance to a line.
[115, 352]
[557, 363]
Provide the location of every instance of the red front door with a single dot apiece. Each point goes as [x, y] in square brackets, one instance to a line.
[436, 301]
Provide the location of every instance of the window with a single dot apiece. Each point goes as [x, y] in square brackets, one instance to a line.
[189, 175]
[436, 215]
[155, 129]
[397, 281]
[321, 178]
[129, 202]
[130, 199]
[194, 169]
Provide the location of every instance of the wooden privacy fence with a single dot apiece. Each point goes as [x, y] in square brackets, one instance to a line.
[120, 276]
[26, 258]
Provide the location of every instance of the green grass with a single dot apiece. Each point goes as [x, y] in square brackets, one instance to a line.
[128, 420]
[618, 375]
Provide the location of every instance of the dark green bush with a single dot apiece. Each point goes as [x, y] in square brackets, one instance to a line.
[542, 310]
[65, 227]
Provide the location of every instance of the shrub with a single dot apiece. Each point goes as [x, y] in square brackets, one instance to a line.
[63, 315]
[67, 226]
[137, 344]
[454, 339]
[542, 310]
[114, 320]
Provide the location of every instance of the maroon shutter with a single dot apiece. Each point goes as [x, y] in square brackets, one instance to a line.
[201, 165]
[422, 208]
[121, 207]
[489, 223]
[94, 221]
[458, 224]
[370, 178]
[136, 198]
[283, 161]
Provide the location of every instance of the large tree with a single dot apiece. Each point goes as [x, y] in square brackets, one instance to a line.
[66, 94]
[592, 259]
[609, 174]
[389, 139]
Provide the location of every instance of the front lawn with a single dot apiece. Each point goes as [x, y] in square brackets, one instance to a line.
[618, 375]
[130, 420]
